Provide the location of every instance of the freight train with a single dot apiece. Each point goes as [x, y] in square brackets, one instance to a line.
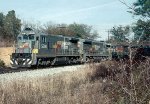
[35, 48]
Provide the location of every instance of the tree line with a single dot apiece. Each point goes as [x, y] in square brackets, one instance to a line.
[74, 29]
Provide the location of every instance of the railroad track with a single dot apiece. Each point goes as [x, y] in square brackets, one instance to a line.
[13, 70]
[34, 73]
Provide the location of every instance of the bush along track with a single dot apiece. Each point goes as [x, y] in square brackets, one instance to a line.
[2, 64]
[124, 83]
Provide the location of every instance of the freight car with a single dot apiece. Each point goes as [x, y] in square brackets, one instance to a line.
[33, 49]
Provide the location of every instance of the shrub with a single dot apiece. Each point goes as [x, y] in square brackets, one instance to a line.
[104, 70]
[125, 83]
[2, 64]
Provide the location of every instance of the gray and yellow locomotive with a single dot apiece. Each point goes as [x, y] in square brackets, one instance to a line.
[33, 49]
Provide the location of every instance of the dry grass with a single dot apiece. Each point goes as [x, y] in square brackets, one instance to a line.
[5, 53]
[66, 88]
[106, 83]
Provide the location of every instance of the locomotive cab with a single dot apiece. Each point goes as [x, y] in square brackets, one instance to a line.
[26, 44]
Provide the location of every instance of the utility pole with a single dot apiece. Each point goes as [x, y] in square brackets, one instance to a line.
[108, 34]
[109, 48]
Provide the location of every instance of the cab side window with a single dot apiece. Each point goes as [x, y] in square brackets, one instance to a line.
[43, 39]
[37, 38]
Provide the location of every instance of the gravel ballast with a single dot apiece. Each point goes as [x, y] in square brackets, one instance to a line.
[38, 73]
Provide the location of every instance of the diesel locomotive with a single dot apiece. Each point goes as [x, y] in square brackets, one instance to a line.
[34, 48]
[138, 52]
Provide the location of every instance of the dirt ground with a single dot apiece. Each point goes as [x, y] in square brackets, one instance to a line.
[5, 53]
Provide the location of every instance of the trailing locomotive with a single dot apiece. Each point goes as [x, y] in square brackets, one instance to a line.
[33, 49]
[120, 52]
[123, 51]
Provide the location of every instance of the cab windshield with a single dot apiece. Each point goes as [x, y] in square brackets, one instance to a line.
[25, 37]
[31, 36]
[19, 38]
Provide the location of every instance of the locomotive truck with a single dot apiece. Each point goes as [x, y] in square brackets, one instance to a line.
[36, 48]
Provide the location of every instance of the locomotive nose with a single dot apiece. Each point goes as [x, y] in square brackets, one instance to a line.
[21, 60]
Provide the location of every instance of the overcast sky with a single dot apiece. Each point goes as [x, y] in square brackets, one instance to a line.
[101, 14]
